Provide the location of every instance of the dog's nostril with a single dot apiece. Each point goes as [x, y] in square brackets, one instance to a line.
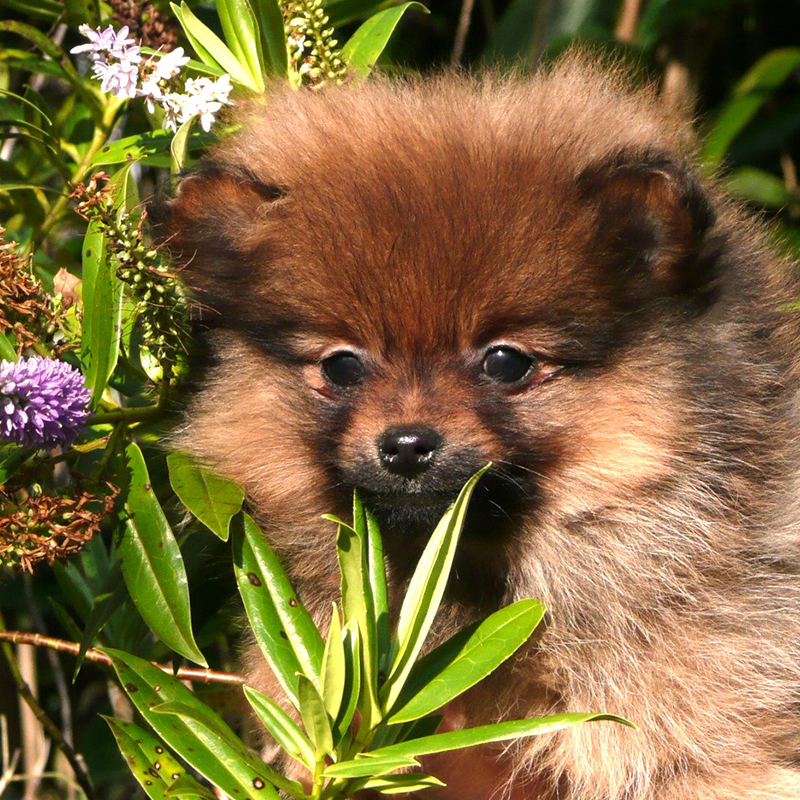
[408, 450]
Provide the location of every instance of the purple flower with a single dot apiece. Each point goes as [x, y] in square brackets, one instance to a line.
[43, 402]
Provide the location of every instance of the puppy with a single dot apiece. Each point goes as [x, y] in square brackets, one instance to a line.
[406, 280]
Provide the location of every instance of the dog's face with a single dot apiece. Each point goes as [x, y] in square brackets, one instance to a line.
[405, 303]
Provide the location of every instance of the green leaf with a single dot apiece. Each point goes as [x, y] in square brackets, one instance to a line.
[467, 658]
[12, 457]
[195, 732]
[499, 732]
[151, 764]
[273, 36]
[102, 312]
[352, 684]
[397, 784]
[179, 147]
[425, 592]
[282, 727]
[212, 499]
[44, 9]
[365, 46]
[144, 146]
[365, 521]
[274, 610]
[357, 605]
[210, 48]
[7, 351]
[759, 186]
[152, 565]
[369, 766]
[241, 35]
[25, 101]
[333, 666]
[188, 786]
[760, 83]
[315, 718]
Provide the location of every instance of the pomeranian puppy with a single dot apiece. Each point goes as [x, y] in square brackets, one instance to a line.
[406, 280]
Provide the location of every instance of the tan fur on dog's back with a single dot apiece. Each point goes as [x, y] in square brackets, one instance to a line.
[661, 520]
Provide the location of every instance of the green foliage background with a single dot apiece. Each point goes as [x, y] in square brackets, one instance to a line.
[734, 63]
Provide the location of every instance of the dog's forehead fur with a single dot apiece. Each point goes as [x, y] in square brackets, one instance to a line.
[357, 241]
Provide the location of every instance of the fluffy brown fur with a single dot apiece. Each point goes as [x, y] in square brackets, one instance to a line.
[645, 484]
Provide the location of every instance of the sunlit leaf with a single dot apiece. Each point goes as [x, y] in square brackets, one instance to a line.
[147, 758]
[760, 83]
[425, 592]
[369, 766]
[242, 37]
[283, 628]
[212, 499]
[102, 312]
[210, 48]
[315, 718]
[333, 666]
[273, 36]
[366, 45]
[204, 741]
[282, 727]
[152, 564]
[467, 658]
[499, 732]
[397, 784]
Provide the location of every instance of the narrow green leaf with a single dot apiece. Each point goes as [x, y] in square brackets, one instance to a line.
[179, 147]
[760, 83]
[273, 36]
[464, 660]
[188, 786]
[210, 48]
[366, 45]
[333, 666]
[7, 351]
[315, 718]
[264, 620]
[499, 732]
[298, 626]
[425, 592]
[397, 784]
[242, 37]
[282, 727]
[352, 684]
[761, 187]
[369, 766]
[151, 764]
[193, 730]
[144, 146]
[380, 594]
[12, 457]
[102, 313]
[357, 605]
[152, 565]
[45, 9]
[20, 99]
[212, 499]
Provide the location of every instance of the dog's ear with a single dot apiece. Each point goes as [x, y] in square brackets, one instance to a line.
[210, 227]
[652, 218]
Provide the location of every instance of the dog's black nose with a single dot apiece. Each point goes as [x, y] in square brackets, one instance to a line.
[408, 451]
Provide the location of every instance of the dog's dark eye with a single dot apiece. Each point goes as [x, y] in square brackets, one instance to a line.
[506, 365]
[343, 369]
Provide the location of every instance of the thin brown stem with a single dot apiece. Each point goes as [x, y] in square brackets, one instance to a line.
[194, 674]
[628, 20]
[464, 21]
